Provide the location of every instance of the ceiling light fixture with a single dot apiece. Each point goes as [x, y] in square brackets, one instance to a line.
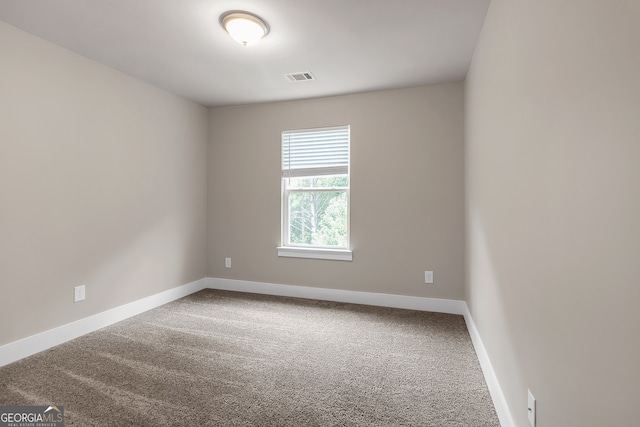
[244, 27]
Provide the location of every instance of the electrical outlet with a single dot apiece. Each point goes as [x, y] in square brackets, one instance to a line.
[531, 408]
[428, 277]
[79, 293]
[227, 262]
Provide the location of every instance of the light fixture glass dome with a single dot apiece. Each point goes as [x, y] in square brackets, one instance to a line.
[244, 27]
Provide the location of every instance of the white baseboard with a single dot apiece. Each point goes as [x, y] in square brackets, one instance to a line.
[499, 402]
[385, 300]
[36, 343]
[339, 295]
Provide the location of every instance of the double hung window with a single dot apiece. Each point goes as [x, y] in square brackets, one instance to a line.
[315, 193]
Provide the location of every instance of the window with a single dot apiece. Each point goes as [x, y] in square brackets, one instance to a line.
[315, 193]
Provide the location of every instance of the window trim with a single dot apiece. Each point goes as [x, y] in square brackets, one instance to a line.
[315, 253]
[338, 253]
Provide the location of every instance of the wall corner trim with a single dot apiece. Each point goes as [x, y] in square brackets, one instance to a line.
[33, 344]
[499, 401]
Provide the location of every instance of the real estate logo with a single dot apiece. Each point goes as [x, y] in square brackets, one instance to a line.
[31, 416]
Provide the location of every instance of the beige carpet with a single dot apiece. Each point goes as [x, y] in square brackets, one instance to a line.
[219, 358]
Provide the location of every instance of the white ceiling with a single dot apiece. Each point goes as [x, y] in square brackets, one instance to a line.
[349, 45]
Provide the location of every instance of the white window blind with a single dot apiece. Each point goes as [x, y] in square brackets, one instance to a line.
[313, 152]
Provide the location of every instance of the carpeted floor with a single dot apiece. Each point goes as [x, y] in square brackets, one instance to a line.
[218, 358]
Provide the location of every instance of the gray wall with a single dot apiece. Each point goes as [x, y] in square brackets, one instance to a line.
[407, 200]
[553, 206]
[102, 182]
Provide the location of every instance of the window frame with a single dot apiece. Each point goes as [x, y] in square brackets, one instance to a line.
[287, 249]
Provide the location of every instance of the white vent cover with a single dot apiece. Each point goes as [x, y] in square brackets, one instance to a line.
[300, 77]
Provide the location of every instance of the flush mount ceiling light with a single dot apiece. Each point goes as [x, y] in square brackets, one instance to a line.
[244, 27]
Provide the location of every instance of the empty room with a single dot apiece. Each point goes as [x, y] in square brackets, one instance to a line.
[319, 213]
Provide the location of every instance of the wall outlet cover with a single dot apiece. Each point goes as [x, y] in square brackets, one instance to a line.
[428, 277]
[79, 293]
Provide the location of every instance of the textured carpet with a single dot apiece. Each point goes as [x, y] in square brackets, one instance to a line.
[218, 358]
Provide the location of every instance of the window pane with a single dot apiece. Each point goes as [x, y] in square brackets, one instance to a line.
[318, 182]
[318, 218]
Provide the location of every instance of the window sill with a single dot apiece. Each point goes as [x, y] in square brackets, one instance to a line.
[330, 254]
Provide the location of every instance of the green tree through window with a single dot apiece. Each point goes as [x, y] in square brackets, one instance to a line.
[319, 217]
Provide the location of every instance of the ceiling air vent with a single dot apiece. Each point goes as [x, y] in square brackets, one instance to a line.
[300, 77]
